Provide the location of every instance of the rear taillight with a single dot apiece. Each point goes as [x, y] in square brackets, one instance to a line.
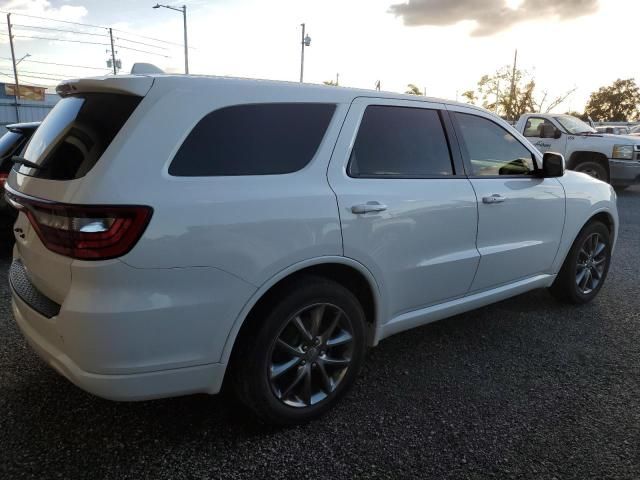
[86, 232]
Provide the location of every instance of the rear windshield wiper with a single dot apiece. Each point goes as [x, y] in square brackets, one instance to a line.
[25, 162]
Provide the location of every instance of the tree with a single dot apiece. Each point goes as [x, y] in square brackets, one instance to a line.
[582, 116]
[512, 93]
[619, 102]
[413, 90]
[331, 83]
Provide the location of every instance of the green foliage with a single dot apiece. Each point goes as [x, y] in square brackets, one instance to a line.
[512, 93]
[413, 90]
[619, 102]
[331, 83]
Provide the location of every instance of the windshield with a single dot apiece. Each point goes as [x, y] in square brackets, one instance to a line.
[574, 125]
[9, 143]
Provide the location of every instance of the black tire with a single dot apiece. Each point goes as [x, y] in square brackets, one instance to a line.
[594, 169]
[253, 362]
[566, 286]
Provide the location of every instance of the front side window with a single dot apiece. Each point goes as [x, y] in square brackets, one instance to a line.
[256, 139]
[400, 142]
[535, 127]
[491, 149]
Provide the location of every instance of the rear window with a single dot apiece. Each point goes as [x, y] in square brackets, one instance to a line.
[75, 134]
[258, 139]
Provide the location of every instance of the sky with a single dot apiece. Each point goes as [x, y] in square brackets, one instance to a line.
[442, 46]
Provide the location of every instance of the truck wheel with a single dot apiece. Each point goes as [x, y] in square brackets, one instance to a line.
[303, 355]
[586, 266]
[593, 169]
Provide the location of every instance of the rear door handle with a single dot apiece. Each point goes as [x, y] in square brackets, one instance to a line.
[368, 207]
[495, 198]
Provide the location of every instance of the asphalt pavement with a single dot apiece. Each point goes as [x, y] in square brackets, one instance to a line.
[526, 388]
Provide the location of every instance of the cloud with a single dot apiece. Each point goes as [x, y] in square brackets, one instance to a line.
[43, 8]
[491, 16]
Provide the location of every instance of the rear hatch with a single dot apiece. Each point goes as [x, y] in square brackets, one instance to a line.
[51, 230]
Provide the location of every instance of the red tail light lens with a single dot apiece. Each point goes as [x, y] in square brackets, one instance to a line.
[92, 232]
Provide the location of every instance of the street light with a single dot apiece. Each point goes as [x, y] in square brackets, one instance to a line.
[27, 55]
[306, 41]
[182, 9]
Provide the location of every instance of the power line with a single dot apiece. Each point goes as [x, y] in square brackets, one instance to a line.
[27, 83]
[139, 43]
[54, 20]
[31, 76]
[143, 51]
[60, 40]
[148, 38]
[60, 30]
[57, 64]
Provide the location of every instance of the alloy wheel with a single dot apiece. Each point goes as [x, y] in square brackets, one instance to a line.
[592, 259]
[311, 355]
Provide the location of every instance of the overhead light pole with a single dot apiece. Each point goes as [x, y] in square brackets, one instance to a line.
[306, 41]
[182, 9]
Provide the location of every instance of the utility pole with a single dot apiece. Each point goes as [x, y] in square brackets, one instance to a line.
[15, 70]
[497, 95]
[113, 52]
[513, 83]
[306, 41]
[337, 79]
[186, 43]
[378, 85]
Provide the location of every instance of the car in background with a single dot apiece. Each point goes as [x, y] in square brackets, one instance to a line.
[635, 130]
[613, 130]
[12, 143]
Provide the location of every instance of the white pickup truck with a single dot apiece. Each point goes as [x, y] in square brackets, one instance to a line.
[612, 158]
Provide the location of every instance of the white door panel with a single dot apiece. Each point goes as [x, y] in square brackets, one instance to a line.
[416, 235]
[518, 237]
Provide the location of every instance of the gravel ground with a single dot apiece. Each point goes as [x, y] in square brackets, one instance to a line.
[526, 388]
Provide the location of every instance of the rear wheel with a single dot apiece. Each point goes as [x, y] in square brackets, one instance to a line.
[586, 266]
[304, 355]
[593, 169]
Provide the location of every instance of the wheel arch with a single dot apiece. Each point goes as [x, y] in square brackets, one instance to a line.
[581, 156]
[349, 273]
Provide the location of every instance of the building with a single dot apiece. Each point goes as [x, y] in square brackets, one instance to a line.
[33, 105]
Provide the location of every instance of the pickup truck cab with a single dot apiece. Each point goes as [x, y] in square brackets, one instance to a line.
[613, 159]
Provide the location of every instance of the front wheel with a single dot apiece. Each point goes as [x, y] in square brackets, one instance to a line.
[593, 169]
[304, 355]
[586, 266]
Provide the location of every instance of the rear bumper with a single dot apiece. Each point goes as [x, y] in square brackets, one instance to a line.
[624, 172]
[130, 387]
[134, 334]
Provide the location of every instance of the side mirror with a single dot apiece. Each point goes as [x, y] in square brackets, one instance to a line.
[552, 165]
[549, 131]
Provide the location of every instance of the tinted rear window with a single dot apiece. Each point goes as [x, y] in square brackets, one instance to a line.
[400, 142]
[260, 139]
[76, 133]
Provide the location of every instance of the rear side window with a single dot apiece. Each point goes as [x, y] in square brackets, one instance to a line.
[75, 134]
[257, 139]
[400, 142]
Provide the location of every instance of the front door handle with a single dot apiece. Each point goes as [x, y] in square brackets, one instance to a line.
[368, 207]
[495, 198]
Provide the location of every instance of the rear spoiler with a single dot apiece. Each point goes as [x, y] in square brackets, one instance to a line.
[137, 85]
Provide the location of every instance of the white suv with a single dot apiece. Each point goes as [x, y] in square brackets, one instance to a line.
[179, 230]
